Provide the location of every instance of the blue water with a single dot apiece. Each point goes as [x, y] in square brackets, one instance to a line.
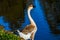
[43, 32]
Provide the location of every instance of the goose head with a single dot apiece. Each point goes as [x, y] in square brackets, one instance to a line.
[30, 7]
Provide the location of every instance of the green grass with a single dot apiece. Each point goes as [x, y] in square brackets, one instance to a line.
[5, 35]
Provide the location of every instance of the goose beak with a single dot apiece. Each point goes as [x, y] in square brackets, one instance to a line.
[34, 6]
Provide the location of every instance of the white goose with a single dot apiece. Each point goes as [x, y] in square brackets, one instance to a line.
[30, 30]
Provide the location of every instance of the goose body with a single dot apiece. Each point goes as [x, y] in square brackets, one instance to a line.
[29, 31]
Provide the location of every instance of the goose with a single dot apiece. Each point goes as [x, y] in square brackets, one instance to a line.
[30, 30]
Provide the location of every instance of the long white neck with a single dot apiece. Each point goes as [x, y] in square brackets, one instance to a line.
[30, 18]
